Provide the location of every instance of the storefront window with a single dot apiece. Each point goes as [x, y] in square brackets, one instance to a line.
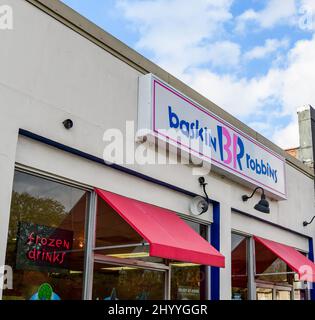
[46, 239]
[300, 294]
[274, 278]
[112, 282]
[269, 268]
[283, 294]
[239, 267]
[264, 293]
[116, 239]
[188, 280]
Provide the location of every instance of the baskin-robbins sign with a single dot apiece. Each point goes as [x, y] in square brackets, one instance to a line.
[169, 115]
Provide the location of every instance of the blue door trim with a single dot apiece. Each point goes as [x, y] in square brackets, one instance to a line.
[311, 257]
[215, 242]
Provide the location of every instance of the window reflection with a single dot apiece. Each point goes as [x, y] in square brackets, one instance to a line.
[239, 267]
[111, 229]
[274, 273]
[188, 280]
[283, 295]
[270, 268]
[115, 238]
[112, 282]
[264, 294]
[46, 239]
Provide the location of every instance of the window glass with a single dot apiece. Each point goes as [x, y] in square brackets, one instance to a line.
[283, 295]
[239, 267]
[188, 280]
[270, 268]
[264, 293]
[274, 272]
[111, 229]
[46, 239]
[300, 295]
[116, 238]
[112, 282]
[140, 253]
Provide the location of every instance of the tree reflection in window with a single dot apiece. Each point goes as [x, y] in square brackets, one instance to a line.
[46, 205]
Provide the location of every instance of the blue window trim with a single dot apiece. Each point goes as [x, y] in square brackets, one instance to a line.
[90, 157]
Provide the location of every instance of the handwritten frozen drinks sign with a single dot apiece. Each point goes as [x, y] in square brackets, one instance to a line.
[43, 248]
[171, 116]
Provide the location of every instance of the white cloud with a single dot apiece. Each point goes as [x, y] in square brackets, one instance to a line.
[270, 46]
[275, 12]
[299, 77]
[239, 96]
[224, 53]
[287, 137]
[179, 33]
[244, 18]
[310, 4]
[260, 126]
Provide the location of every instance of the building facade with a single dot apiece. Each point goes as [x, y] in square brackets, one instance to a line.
[71, 226]
[306, 150]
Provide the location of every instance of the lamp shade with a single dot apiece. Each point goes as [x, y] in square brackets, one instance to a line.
[263, 205]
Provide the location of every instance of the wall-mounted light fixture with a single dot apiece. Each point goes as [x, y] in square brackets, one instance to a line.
[305, 223]
[200, 205]
[203, 184]
[263, 204]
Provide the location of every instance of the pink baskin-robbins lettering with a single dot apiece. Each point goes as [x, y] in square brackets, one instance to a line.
[231, 148]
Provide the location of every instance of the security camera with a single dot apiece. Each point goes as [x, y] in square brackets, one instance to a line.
[198, 206]
[68, 124]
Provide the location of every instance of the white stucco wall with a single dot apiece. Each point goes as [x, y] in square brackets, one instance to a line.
[50, 73]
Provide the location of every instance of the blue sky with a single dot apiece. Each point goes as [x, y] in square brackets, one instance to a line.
[254, 58]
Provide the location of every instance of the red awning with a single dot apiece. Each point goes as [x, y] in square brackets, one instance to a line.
[293, 258]
[168, 235]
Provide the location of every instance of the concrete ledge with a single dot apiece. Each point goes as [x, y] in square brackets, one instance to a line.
[103, 39]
